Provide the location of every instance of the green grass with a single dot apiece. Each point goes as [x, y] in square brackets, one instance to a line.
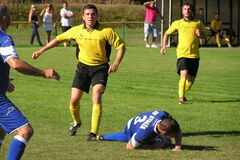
[145, 81]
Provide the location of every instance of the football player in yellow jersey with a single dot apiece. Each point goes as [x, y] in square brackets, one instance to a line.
[94, 44]
[189, 30]
[216, 28]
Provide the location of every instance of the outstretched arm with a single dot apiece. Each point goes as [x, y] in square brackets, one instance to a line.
[118, 59]
[51, 44]
[164, 44]
[27, 69]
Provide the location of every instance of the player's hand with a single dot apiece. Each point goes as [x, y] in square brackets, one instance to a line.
[11, 87]
[112, 68]
[177, 148]
[163, 50]
[198, 32]
[51, 73]
[36, 54]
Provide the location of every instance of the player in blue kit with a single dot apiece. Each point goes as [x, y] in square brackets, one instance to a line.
[11, 119]
[148, 130]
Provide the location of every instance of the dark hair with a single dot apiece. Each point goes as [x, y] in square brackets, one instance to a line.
[169, 125]
[90, 6]
[200, 9]
[187, 4]
[4, 11]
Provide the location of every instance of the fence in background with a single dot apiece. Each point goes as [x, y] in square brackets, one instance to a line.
[131, 32]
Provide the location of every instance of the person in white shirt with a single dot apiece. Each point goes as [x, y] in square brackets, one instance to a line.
[66, 20]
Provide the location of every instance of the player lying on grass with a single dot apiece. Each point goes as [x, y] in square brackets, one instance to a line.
[149, 130]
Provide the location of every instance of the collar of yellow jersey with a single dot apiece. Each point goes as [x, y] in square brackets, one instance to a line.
[190, 19]
[96, 26]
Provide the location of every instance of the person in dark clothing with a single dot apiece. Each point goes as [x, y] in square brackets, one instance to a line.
[33, 19]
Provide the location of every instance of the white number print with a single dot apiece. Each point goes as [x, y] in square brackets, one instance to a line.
[140, 119]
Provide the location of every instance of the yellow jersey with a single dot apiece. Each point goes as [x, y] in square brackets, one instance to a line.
[188, 43]
[92, 43]
[217, 25]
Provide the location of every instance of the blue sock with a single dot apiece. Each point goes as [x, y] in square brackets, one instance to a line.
[17, 148]
[119, 136]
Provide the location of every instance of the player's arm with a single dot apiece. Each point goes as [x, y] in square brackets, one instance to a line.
[118, 59]
[129, 145]
[164, 44]
[51, 44]
[178, 140]
[146, 4]
[27, 69]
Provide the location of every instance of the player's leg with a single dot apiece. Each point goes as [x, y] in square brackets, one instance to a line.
[81, 84]
[97, 92]
[189, 82]
[74, 108]
[119, 136]
[193, 65]
[13, 121]
[182, 70]
[19, 142]
[181, 85]
[99, 77]
[227, 40]
[217, 36]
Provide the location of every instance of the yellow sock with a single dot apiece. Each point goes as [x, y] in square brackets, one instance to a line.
[96, 117]
[181, 89]
[75, 113]
[228, 42]
[188, 86]
[218, 42]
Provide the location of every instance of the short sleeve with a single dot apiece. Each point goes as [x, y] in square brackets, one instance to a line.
[172, 28]
[7, 48]
[66, 36]
[114, 39]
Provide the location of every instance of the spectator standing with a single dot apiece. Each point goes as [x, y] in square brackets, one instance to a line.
[149, 24]
[66, 20]
[48, 20]
[33, 19]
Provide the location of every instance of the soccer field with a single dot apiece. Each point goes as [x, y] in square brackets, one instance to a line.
[145, 81]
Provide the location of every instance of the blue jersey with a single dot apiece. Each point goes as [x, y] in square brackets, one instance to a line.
[143, 128]
[7, 50]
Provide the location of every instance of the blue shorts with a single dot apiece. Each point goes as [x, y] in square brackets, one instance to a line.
[11, 117]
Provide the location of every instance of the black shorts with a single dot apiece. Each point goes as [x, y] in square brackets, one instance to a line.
[189, 64]
[218, 32]
[86, 75]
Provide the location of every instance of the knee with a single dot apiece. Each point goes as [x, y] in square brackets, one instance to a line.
[74, 101]
[26, 132]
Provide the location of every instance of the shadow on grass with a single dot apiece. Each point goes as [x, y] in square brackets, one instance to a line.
[213, 133]
[220, 101]
[199, 148]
